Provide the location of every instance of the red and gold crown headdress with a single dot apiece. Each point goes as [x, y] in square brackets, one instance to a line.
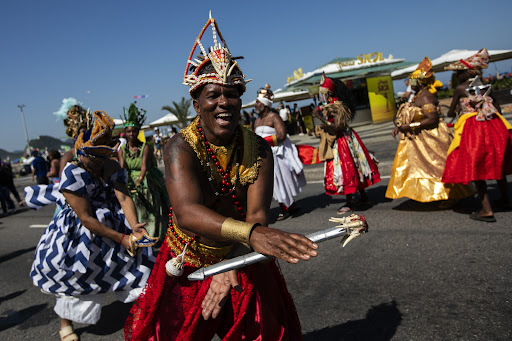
[224, 69]
[479, 60]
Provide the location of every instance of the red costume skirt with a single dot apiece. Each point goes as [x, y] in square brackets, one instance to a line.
[484, 152]
[352, 181]
[170, 307]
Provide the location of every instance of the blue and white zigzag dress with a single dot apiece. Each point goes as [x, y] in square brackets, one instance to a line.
[72, 261]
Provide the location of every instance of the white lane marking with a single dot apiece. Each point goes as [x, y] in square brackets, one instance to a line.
[38, 226]
[322, 181]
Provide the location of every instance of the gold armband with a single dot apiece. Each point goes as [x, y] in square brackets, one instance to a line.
[235, 230]
[398, 123]
[272, 140]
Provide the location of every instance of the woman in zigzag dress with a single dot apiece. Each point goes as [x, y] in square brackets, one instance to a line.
[88, 248]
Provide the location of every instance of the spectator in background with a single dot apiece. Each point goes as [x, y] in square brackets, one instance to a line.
[54, 172]
[158, 138]
[39, 169]
[409, 93]
[122, 140]
[173, 132]
[285, 114]
[300, 128]
[10, 179]
[5, 197]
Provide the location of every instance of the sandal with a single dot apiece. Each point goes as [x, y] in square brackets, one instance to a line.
[487, 219]
[283, 216]
[344, 209]
[68, 334]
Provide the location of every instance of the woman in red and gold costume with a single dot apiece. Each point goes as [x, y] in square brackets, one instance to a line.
[482, 146]
[349, 166]
[424, 140]
[219, 179]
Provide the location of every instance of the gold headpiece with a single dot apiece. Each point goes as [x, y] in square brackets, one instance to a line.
[424, 70]
[214, 67]
[425, 75]
[98, 140]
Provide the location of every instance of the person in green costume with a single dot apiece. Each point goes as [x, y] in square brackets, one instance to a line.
[145, 181]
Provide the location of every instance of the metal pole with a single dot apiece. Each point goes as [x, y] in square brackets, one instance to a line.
[24, 126]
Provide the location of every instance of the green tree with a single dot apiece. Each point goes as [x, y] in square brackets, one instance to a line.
[180, 110]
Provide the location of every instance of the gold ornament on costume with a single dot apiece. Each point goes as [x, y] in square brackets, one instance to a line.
[248, 169]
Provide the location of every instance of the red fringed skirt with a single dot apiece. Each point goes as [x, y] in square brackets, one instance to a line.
[170, 307]
[352, 179]
[484, 152]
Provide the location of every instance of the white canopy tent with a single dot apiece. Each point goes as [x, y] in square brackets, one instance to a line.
[168, 119]
[439, 63]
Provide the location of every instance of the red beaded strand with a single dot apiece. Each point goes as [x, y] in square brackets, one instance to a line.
[223, 173]
[175, 233]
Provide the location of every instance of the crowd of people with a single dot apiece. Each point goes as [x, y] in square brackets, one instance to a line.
[116, 208]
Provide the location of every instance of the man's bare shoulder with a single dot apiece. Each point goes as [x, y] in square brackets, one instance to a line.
[178, 148]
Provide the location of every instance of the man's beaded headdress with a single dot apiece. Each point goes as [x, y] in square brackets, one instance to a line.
[215, 66]
[478, 61]
[265, 96]
[135, 116]
[425, 75]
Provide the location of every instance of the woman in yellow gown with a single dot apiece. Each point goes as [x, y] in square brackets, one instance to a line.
[424, 142]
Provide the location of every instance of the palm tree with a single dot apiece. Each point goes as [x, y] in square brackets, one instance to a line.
[180, 110]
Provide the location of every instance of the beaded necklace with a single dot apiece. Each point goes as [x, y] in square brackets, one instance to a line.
[225, 189]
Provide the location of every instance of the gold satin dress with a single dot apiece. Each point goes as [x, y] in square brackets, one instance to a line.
[419, 162]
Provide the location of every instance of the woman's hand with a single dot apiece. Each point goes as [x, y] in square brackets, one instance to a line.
[395, 132]
[317, 113]
[218, 292]
[139, 230]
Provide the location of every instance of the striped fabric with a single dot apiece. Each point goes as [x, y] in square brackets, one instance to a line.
[70, 260]
[41, 195]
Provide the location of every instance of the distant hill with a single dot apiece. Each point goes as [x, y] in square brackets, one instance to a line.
[12, 155]
[40, 143]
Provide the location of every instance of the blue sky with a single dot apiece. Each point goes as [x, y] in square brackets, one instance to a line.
[105, 52]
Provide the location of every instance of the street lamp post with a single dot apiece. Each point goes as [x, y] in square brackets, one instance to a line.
[24, 126]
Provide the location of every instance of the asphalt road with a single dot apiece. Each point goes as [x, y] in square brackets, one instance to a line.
[421, 273]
